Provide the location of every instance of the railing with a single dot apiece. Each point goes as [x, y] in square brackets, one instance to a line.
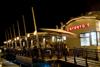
[59, 53]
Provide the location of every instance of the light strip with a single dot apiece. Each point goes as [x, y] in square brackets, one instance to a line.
[77, 19]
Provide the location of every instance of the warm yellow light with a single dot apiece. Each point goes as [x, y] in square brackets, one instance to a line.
[5, 42]
[17, 38]
[25, 38]
[28, 35]
[20, 39]
[35, 32]
[9, 40]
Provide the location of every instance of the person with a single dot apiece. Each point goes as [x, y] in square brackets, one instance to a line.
[40, 45]
[48, 50]
[35, 50]
[48, 45]
[51, 45]
[24, 50]
[35, 46]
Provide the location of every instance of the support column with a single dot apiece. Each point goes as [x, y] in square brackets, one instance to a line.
[19, 34]
[15, 37]
[25, 31]
[44, 42]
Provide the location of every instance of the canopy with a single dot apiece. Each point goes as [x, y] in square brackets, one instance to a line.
[59, 31]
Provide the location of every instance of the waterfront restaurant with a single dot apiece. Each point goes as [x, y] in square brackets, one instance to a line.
[87, 29]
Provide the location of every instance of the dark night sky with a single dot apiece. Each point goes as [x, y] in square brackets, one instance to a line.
[48, 14]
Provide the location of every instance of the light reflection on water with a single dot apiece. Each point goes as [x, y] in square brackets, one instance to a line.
[41, 64]
[44, 64]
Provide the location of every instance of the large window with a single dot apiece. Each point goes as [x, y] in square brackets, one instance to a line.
[98, 37]
[93, 39]
[85, 39]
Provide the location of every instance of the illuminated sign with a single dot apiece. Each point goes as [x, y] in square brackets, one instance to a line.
[78, 27]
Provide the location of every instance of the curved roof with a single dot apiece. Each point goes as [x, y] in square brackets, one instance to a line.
[92, 14]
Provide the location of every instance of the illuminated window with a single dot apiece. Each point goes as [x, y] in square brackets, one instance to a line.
[64, 38]
[53, 38]
[93, 39]
[59, 40]
[81, 35]
[87, 34]
[98, 36]
[84, 39]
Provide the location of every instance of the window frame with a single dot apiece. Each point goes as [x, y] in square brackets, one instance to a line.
[85, 37]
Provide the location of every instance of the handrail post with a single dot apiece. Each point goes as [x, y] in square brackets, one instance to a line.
[42, 54]
[58, 54]
[86, 58]
[74, 57]
[66, 54]
[96, 55]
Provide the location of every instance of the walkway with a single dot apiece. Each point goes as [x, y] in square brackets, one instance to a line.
[79, 61]
[6, 63]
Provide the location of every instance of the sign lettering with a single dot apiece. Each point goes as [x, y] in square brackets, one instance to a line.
[78, 27]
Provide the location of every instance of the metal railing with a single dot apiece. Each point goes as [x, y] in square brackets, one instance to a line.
[59, 53]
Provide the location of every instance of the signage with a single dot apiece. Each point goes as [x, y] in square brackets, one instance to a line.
[78, 27]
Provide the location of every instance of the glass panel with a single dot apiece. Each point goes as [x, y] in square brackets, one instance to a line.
[64, 38]
[98, 36]
[81, 35]
[58, 40]
[93, 39]
[85, 42]
[87, 34]
[55, 38]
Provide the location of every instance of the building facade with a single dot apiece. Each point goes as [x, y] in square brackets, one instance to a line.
[87, 29]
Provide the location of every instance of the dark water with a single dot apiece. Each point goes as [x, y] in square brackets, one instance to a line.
[46, 64]
[43, 64]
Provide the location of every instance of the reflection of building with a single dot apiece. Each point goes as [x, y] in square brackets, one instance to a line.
[87, 29]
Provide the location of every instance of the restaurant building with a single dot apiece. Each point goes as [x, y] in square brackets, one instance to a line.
[87, 29]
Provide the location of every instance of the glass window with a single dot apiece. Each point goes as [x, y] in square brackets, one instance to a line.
[64, 38]
[93, 39]
[85, 39]
[58, 40]
[87, 34]
[85, 42]
[98, 36]
[81, 35]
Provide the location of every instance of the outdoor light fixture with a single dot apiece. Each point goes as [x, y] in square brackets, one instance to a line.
[20, 39]
[5, 42]
[28, 35]
[34, 32]
[12, 41]
[17, 38]
[43, 39]
[9, 40]
[25, 38]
